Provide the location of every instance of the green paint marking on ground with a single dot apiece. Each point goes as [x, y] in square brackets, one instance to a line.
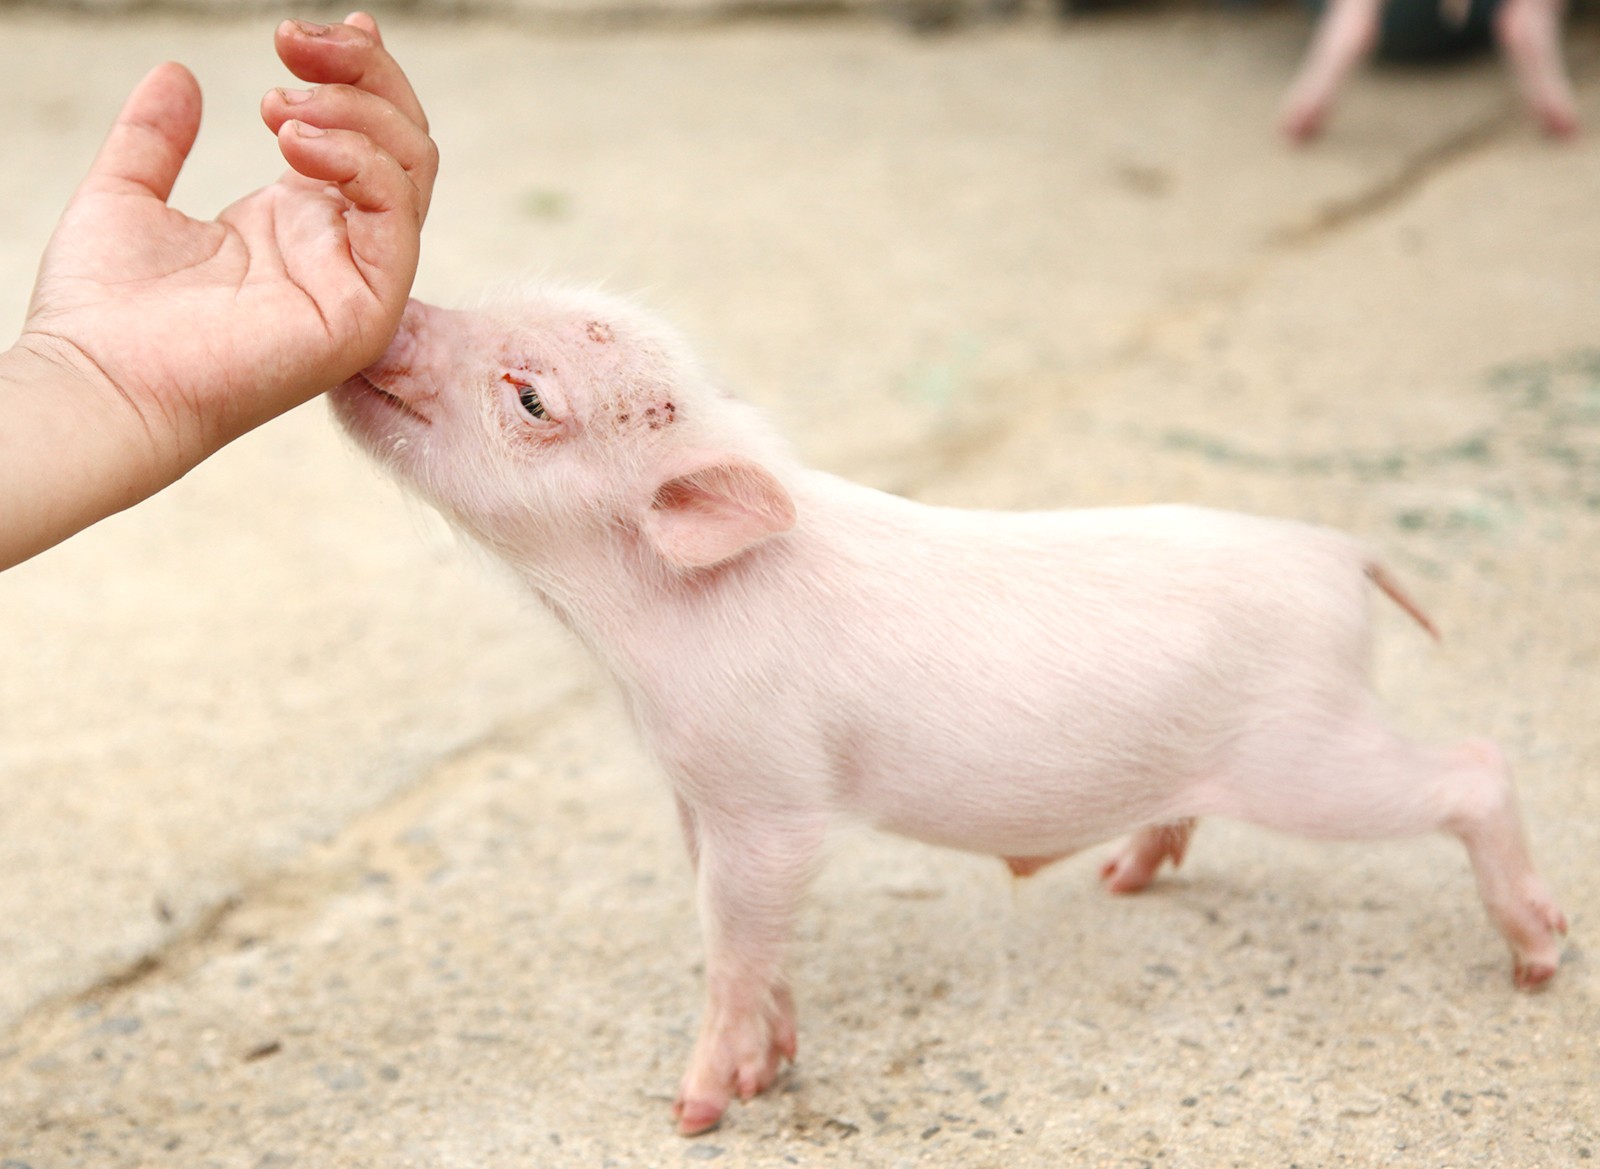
[940, 383]
[545, 204]
[1389, 464]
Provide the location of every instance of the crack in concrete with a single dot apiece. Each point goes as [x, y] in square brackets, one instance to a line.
[1412, 175]
[273, 900]
[950, 454]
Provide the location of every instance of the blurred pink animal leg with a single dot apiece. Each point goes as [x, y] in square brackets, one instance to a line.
[1529, 32]
[1141, 858]
[1488, 823]
[1344, 36]
[1026, 866]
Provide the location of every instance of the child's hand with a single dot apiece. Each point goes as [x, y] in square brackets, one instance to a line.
[153, 338]
[202, 330]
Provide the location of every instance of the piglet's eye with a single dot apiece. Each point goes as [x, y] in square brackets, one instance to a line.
[528, 396]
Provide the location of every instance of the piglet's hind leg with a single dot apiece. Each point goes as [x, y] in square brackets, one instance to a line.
[1142, 857]
[1488, 824]
[1356, 779]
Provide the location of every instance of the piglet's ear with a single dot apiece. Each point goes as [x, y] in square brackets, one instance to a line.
[715, 511]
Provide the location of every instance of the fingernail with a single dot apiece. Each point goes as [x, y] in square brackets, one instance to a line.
[306, 130]
[310, 29]
[294, 97]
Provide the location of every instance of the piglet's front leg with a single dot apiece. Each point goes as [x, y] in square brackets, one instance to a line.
[752, 869]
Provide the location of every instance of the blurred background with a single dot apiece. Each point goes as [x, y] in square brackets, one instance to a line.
[320, 844]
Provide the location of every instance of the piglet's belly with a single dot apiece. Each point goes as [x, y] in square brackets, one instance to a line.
[1016, 813]
[1063, 776]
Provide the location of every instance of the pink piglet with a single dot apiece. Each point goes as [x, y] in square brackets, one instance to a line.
[797, 649]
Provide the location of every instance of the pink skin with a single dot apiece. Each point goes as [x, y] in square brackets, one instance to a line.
[798, 649]
[1528, 32]
[1344, 36]
[154, 338]
[1141, 858]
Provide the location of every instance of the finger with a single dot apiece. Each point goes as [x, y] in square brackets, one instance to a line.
[384, 222]
[365, 22]
[151, 137]
[369, 178]
[343, 107]
[348, 54]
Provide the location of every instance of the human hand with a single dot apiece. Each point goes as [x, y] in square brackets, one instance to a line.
[201, 330]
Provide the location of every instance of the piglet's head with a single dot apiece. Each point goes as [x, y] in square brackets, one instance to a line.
[556, 422]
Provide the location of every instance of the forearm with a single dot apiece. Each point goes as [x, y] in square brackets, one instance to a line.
[72, 451]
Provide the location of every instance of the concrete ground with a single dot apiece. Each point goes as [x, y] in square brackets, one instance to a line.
[320, 845]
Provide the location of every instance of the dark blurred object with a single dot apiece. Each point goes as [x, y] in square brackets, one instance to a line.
[1433, 30]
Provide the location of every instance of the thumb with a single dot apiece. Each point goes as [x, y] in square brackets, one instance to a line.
[152, 136]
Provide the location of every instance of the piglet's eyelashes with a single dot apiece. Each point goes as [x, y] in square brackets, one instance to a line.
[527, 395]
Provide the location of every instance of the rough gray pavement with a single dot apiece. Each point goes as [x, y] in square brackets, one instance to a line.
[321, 846]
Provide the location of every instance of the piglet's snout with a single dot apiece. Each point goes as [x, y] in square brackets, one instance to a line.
[402, 394]
[410, 376]
[417, 359]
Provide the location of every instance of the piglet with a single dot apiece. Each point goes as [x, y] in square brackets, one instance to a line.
[797, 649]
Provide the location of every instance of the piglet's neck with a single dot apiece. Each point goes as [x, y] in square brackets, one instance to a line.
[631, 609]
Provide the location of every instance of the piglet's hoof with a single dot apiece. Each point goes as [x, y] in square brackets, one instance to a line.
[1531, 973]
[700, 1105]
[1132, 869]
[1533, 977]
[696, 1116]
[739, 1054]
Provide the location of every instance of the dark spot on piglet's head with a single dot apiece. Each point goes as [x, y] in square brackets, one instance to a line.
[663, 415]
[600, 331]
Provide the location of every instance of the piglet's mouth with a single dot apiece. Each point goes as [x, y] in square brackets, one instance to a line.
[363, 385]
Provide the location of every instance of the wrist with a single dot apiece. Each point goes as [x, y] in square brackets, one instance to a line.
[73, 448]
